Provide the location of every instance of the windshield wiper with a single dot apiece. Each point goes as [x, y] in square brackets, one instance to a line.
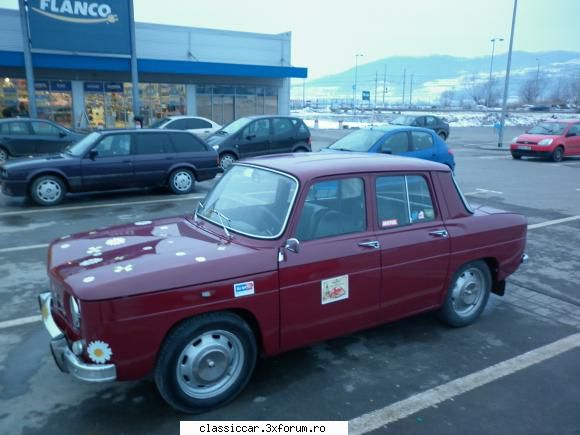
[221, 132]
[340, 149]
[222, 218]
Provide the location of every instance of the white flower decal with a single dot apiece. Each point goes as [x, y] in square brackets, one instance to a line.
[119, 269]
[99, 352]
[119, 258]
[95, 251]
[147, 248]
[221, 248]
[88, 279]
[164, 227]
[115, 241]
[90, 261]
[64, 246]
[180, 254]
[200, 259]
[141, 223]
[171, 242]
[92, 233]
[65, 237]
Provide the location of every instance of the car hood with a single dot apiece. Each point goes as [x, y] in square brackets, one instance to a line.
[216, 139]
[150, 256]
[33, 162]
[527, 137]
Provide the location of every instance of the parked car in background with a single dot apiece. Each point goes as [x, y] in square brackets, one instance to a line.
[405, 141]
[115, 159]
[20, 137]
[284, 251]
[427, 121]
[552, 140]
[197, 125]
[253, 136]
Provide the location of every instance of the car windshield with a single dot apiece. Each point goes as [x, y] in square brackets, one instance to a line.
[159, 123]
[358, 141]
[551, 128]
[403, 120]
[252, 201]
[234, 126]
[79, 148]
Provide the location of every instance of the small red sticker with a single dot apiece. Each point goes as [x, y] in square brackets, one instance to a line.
[389, 222]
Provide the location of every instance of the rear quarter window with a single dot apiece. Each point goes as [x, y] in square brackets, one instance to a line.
[187, 143]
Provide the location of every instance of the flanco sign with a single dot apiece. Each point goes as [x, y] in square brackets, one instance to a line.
[77, 11]
[80, 26]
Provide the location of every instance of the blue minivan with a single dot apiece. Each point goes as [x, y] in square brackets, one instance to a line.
[401, 140]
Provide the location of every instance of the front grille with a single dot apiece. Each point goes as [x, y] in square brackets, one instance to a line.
[525, 142]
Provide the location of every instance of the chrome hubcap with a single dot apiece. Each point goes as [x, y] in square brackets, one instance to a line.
[210, 364]
[227, 161]
[182, 181]
[48, 190]
[468, 291]
[3, 156]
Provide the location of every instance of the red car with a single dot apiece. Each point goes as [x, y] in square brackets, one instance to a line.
[552, 140]
[284, 251]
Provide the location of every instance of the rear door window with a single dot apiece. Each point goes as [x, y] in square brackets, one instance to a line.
[195, 123]
[421, 140]
[282, 126]
[187, 143]
[44, 129]
[18, 128]
[431, 121]
[153, 143]
[178, 124]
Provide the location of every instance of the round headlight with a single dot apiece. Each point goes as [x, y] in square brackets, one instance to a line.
[75, 310]
[215, 147]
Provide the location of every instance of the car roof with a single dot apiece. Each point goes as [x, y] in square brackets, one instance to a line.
[562, 121]
[391, 128]
[306, 166]
[185, 117]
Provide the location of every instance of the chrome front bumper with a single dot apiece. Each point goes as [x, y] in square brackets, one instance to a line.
[64, 357]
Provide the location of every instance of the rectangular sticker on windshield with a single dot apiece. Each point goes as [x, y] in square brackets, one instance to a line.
[244, 289]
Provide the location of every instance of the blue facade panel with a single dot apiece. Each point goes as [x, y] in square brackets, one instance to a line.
[98, 63]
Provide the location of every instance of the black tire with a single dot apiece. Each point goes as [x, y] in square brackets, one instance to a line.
[211, 340]
[516, 156]
[301, 150]
[469, 289]
[181, 181]
[226, 160]
[4, 155]
[48, 190]
[558, 154]
[442, 135]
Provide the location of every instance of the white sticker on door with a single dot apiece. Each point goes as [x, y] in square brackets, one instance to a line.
[244, 288]
[334, 289]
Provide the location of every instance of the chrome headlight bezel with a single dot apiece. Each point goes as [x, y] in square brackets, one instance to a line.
[75, 311]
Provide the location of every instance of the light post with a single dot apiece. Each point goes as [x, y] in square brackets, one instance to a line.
[356, 56]
[493, 41]
[537, 96]
[507, 78]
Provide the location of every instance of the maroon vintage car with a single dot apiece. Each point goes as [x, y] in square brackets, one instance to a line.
[283, 252]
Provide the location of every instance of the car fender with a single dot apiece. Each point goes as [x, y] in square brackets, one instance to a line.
[47, 171]
[178, 165]
[300, 145]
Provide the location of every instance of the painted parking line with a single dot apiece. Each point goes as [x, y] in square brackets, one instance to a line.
[23, 248]
[404, 408]
[19, 322]
[106, 205]
[553, 222]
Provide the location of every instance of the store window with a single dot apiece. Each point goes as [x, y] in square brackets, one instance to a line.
[158, 100]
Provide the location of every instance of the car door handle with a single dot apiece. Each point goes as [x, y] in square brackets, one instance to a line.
[439, 233]
[371, 244]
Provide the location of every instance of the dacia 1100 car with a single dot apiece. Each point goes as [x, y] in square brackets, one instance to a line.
[284, 251]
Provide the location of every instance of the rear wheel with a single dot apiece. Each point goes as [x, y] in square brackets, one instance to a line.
[442, 135]
[47, 190]
[3, 155]
[181, 181]
[516, 156]
[558, 154]
[226, 160]
[205, 362]
[468, 294]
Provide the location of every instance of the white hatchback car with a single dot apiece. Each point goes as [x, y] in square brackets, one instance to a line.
[201, 127]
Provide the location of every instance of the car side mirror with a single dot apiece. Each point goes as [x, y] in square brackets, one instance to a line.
[93, 154]
[386, 151]
[292, 245]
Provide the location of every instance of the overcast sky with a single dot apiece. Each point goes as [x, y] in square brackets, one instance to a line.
[326, 34]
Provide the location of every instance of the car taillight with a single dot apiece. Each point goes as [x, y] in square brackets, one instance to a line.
[450, 151]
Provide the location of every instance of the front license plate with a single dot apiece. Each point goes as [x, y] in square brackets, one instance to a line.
[524, 147]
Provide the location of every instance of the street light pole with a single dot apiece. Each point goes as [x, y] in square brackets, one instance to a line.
[493, 41]
[537, 81]
[356, 56]
[507, 78]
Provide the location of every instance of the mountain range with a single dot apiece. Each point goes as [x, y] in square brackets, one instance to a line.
[424, 79]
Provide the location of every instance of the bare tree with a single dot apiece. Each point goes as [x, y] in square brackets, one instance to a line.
[447, 98]
[476, 89]
[533, 88]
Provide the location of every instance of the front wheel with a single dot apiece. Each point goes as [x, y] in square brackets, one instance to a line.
[181, 181]
[558, 154]
[468, 295]
[516, 156]
[226, 160]
[47, 190]
[3, 155]
[206, 362]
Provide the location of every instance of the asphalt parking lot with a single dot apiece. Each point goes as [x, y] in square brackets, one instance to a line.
[514, 371]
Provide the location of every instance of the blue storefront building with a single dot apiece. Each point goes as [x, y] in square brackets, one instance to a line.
[84, 80]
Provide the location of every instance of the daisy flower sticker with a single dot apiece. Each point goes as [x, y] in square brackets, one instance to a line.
[99, 352]
[115, 241]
